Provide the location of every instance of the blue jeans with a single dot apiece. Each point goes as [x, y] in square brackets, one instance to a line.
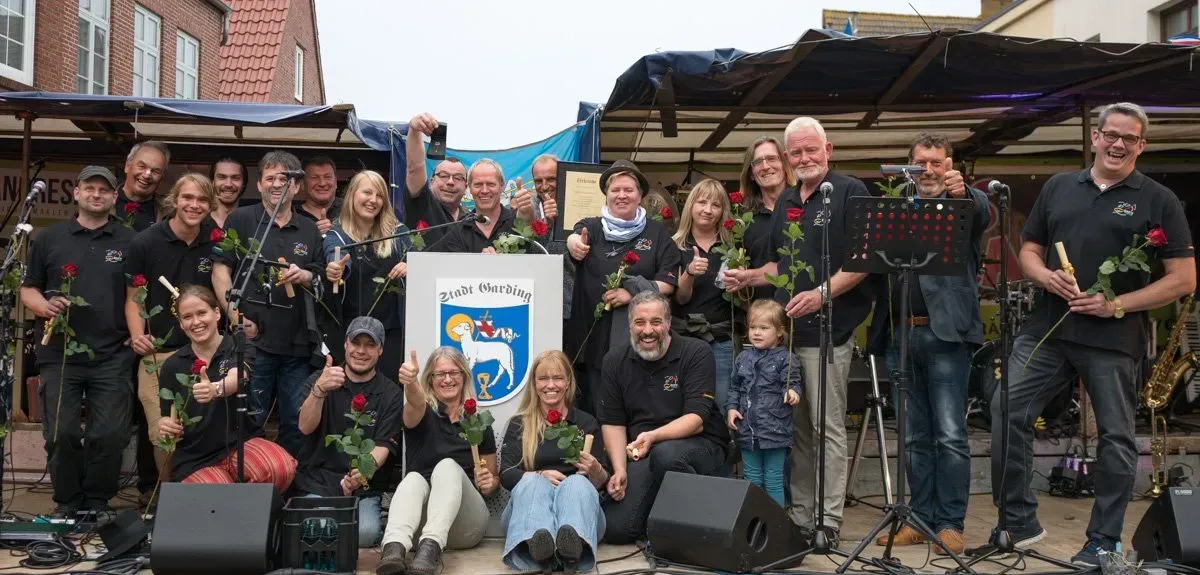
[939, 460]
[277, 381]
[723, 350]
[370, 528]
[764, 468]
[540, 505]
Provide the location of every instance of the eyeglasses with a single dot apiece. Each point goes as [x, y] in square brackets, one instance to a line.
[549, 378]
[448, 176]
[1112, 137]
[757, 162]
[437, 375]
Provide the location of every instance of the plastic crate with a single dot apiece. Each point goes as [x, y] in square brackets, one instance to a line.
[321, 533]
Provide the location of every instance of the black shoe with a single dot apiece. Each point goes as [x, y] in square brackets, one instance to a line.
[101, 513]
[541, 549]
[833, 535]
[392, 562]
[65, 511]
[570, 548]
[1090, 554]
[1022, 538]
[427, 560]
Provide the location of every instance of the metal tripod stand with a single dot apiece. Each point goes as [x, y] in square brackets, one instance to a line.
[873, 408]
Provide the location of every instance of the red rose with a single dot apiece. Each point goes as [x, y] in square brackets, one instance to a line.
[69, 270]
[666, 213]
[540, 228]
[359, 403]
[553, 417]
[795, 214]
[130, 208]
[139, 280]
[736, 197]
[198, 366]
[217, 235]
[421, 225]
[1157, 237]
[469, 406]
[729, 223]
[629, 259]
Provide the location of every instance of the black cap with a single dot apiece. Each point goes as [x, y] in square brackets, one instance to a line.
[624, 167]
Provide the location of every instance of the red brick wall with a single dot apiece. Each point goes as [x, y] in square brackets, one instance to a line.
[299, 30]
[57, 32]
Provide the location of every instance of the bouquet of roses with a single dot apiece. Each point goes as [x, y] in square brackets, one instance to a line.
[353, 442]
[569, 438]
[473, 424]
[733, 254]
[613, 280]
[515, 243]
[179, 402]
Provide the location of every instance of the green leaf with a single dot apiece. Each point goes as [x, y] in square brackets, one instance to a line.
[196, 419]
[143, 315]
[330, 439]
[358, 432]
[367, 445]
[474, 436]
[551, 433]
[1122, 268]
[1107, 267]
[378, 280]
[183, 378]
[485, 420]
[351, 449]
[564, 442]
[166, 394]
[155, 310]
[777, 281]
[366, 466]
[1093, 290]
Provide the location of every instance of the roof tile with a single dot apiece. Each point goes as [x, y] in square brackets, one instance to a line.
[248, 60]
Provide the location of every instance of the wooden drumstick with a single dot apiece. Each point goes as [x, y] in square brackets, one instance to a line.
[475, 455]
[287, 287]
[1062, 257]
[337, 256]
[167, 284]
[47, 332]
[587, 443]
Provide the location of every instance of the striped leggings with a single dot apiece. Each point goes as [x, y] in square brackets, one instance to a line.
[266, 462]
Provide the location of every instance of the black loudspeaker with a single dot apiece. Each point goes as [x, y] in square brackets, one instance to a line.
[218, 528]
[719, 523]
[1161, 535]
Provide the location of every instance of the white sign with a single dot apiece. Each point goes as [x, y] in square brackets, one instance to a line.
[490, 322]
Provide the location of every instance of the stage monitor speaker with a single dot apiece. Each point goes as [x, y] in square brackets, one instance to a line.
[215, 528]
[1166, 531]
[719, 523]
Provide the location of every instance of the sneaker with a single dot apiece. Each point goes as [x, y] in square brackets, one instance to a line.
[904, 537]
[1090, 554]
[833, 535]
[1022, 538]
[541, 548]
[952, 539]
[65, 511]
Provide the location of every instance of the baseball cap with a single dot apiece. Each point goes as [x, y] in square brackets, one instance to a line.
[365, 325]
[97, 171]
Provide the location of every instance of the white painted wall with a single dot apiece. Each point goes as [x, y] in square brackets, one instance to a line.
[1127, 21]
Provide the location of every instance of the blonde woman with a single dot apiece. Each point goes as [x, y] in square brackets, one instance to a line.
[699, 302]
[441, 498]
[553, 518]
[366, 215]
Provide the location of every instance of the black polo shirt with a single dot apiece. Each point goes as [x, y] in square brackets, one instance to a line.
[548, 455]
[159, 252]
[853, 306]
[707, 299]
[645, 395]
[426, 208]
[757, 241]
[321, 466]
[100, 281]
[1094, 225]
[211, 439]
[466, 238]
[147, 211]
[331, 213]
[435, 438]
[281, 330]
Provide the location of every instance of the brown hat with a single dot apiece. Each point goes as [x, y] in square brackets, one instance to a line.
[624, 167]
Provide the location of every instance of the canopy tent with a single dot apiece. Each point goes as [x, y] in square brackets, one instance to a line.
[995, 96]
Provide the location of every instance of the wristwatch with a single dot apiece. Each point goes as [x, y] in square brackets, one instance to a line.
[1118, 309]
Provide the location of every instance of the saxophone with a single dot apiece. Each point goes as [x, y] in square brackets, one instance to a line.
[1167, 373]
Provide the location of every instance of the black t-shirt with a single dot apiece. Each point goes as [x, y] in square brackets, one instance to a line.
[321, 466]
[435, 438]
[548, 455]
[853, 306]
[159, 252]
[281, 330]
[146, 214]
[645, 395]
[757, 241]
[916, 300]
[331, 213]
[361, 291]
[707, 299]
[212, 438]
[658, 260]
[100, 281]
[1093, 226]
[426, 208]
[466, 238]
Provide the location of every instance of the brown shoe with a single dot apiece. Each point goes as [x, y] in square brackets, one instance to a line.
[952, 539]
[906, 536]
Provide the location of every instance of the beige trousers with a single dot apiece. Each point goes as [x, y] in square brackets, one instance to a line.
[448, 509]
[148, 396]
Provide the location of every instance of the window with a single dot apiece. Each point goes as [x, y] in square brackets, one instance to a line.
[147, 30]
[298, 88]
[1183, 18]
[91, 73]
[187, 67]
[16, 39]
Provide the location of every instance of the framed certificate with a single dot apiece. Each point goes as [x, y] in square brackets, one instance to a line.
[579, 195]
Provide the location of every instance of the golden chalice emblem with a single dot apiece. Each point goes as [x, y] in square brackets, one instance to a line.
[484, 380]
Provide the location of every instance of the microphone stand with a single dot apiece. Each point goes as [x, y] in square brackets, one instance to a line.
[235, 298]
[470, 217]
[8, 297]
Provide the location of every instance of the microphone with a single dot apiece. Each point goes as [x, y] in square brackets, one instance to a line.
[477, 217]
[38, 187]
[294, 174]
[826, 188]
[894, 169]
[995, 187]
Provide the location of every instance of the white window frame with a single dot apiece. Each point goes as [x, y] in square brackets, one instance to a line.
[181, 70]
[147, 49]
[93, 22]
[298, 75]
[24, 75]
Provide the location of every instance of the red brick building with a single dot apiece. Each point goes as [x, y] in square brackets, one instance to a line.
[163, 48]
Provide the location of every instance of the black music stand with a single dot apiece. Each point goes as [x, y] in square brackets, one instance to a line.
[905, 234]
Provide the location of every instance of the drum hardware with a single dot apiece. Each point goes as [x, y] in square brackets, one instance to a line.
[873, 407]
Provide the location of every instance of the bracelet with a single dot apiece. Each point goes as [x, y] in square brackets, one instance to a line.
[314, 393]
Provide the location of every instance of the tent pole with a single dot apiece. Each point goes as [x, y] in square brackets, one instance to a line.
[18, 384]
[1086, 114]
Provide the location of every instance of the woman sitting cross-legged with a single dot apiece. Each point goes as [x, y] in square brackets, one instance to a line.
[441, 498]
[555, 505]
[206, 452]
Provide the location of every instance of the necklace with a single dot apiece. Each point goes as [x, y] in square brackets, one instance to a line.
[618, 249]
